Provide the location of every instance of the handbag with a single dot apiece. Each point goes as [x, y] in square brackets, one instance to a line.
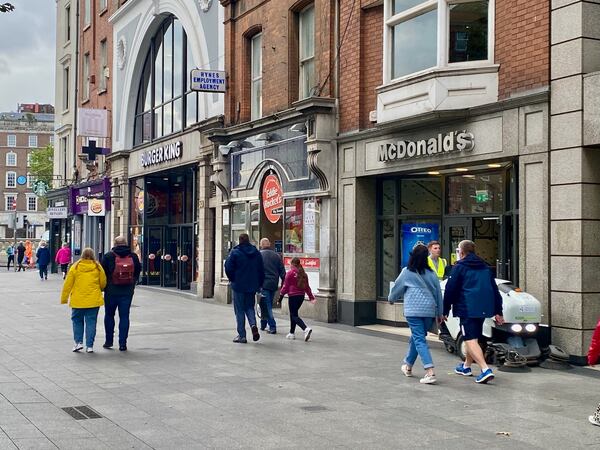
[434, 325]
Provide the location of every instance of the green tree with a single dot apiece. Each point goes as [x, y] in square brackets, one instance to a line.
[41, 165]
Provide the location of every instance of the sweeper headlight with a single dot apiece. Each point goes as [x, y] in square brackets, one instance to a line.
[530, 328]
[517, 328]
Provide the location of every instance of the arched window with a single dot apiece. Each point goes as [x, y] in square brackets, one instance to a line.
[165, 103]
[11, 159]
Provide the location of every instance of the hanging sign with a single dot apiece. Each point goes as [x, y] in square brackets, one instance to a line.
[96, 207]
[272, 199]
[208, 80]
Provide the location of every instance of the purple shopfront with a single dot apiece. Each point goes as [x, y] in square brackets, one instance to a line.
[90, 206]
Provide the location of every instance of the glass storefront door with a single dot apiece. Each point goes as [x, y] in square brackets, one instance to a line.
[155, 254]
[455, 230]
[171, 256]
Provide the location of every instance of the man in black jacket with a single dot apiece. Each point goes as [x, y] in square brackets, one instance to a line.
[119, 289]
[20, 256]
[274, 271]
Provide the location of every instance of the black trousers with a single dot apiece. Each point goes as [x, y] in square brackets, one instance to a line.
[11, 259]
[294, 303]
[20, 261]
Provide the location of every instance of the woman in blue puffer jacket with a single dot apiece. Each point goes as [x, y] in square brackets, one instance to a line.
[420, 288]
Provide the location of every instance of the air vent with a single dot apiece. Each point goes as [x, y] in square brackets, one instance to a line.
[81, 412]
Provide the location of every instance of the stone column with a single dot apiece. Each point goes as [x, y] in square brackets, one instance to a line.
[206, 241]
[574, 175]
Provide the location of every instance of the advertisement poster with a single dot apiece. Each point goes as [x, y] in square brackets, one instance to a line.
[417, 233]
[310, 233]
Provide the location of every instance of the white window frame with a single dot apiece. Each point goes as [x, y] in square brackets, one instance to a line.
[103, 64]
[33, 139]
[66, 82]
[86, 77]
[11, 140]
[8, 199]
[255, 79]
[51, 139]
[303, 62]
[103, 5]
[8, 174]
[28, 159]
[443, 41]
[29, 197]
[10, 163]
[87, 13]
[67, 23]
[30, 180]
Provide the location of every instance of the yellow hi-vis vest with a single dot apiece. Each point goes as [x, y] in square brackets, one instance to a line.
[441, 268]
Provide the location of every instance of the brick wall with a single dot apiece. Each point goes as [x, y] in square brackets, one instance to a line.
[522, 45]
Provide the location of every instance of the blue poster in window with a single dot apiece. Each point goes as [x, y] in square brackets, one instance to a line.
[417, 233]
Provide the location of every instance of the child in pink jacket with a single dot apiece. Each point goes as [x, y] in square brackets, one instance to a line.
[296, 285]
[63, 257]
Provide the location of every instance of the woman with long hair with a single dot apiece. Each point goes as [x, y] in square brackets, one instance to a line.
[296, 286]
[420, 288]
[83, 289]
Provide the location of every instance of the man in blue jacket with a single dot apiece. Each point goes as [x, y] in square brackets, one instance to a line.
[244, 268]
[473, 295]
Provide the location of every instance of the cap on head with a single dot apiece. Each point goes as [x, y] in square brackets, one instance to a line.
[120, 240]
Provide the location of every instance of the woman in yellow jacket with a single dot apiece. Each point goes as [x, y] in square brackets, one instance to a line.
[84, 285]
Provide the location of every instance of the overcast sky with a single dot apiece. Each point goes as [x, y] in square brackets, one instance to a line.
[27, 53]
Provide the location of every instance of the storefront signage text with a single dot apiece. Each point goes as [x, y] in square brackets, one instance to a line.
[57, 212]
[208, 80]
[307, 263]
[168, 152]
[272, 198]
[454, 141]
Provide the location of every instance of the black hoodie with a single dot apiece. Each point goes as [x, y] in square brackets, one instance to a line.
[108, 264]
[244, 268]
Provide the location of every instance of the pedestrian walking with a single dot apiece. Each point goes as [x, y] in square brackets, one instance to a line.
[472, 294]
[63, 257]
[83, 290]
[43, 259]
[122, 268]
[244, 268]
[274, 271]
[10, 252]
[296, 287]
[20, 255]
[419, 286]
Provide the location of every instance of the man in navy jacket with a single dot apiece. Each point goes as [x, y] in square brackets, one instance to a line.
[245, 270]
[473, 295]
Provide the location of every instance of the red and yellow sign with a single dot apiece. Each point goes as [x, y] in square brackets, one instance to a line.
[307, 263]
[272, 199]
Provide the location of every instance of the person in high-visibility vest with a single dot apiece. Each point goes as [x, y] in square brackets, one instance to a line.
[435, 261]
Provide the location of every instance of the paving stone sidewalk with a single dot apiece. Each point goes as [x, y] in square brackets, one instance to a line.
[184, 385]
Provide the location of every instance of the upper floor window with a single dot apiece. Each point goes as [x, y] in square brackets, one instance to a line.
[103, 65]
[32, 203]
[256, 77]
[65, 88]
[103, 5]
[423, 35]
[165, 103]
[11, 179]
[306, 42]
[87, 12]
[67, 23]
[11, 140]
[28, 159]
[33, 141]
[10, 202]
[11, 159]
[51, 139]
[86, 76]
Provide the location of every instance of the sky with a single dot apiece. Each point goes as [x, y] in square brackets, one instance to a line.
[27, 53]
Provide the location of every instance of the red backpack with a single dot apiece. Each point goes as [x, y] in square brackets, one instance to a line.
[124, 268]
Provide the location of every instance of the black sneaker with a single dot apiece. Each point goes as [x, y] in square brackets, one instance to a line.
[240, 340]
[122, 348]
[263, 328]
[107, 345]
[255, 334]
[272, 331]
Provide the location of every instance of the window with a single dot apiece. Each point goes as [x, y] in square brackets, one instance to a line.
[11, 140]
[302, 223]
[165, 103]
[477, 193]
[10, 202]
[306, 43]
[87, 13]
[51, 139]
[65, 88]
[436, 33]
[11, 179]
[32, 203]
[86, 77]
[103, 65]
[103, 5]
[33, 141]
[256, 77]
[68, 23]
[11, 159]
[28, 159]
[30, 180]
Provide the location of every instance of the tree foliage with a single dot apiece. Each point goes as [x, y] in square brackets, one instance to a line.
[6, 7]
[42, 164]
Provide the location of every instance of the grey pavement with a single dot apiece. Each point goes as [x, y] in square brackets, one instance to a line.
[184, 385]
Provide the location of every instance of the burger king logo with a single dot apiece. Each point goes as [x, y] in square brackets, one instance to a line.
[96, 207]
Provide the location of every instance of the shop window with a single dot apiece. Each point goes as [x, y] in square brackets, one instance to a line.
[238, 221]
[422, 197]
[388, 197]
[302, 224]
[388, 267]
[478, 193]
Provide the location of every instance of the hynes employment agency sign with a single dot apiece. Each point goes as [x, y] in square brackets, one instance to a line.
[167, 152]
[208, 80]
[454, 141]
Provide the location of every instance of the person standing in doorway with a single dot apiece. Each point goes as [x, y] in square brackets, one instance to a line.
[63, 257]
[274, 271]
[296, 286]
[245, 270]
[83, 290]
[122, 268]
[420, 288]
[43, 259]
[435, 261]
[10, 252]
[472, 294]
[20, 256]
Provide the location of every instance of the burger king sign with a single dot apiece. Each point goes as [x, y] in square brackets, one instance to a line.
[96, 207]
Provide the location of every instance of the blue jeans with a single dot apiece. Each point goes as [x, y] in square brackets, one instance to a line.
[85, 317]
[417, 345]
[267, 301]
[111, 304]
[243, 306]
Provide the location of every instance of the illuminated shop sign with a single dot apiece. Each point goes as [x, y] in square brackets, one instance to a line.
[454, 141]
[159, 155]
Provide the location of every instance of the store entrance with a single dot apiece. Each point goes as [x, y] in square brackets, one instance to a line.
[171, 251]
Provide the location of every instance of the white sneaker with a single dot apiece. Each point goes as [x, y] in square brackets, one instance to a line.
[406, 370]
[89, 349]
[428, 379]
[78, 346]
[290, 336]
[594, 420]
[307, 334]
